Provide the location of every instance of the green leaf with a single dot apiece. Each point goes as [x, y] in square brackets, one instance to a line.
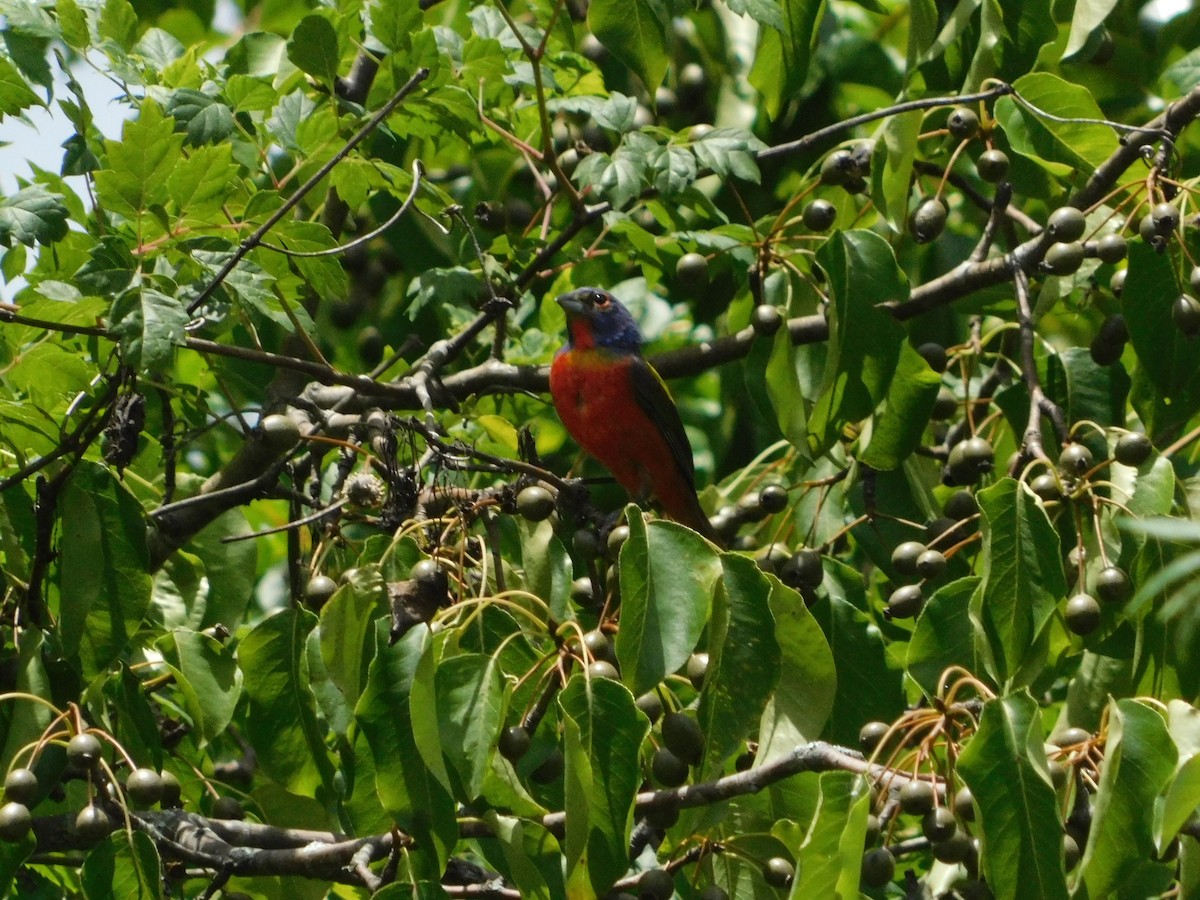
[281, 722]
[15, 93]
[547, 567]
[200, 184]
[674, 170]
[204, 118]
[208, 676]
[831, 856]
[1024, 577]
[397, 714]
[137, 167]
[944, 636]
[470, 705]
[529, 856]
[118, 23]
[392, 22]
[104, 583]
[23, 723]
[1139, 760]
[73, 22]
[33, 215]
[346, 635]
[744, 658]
[1004, 765]
[1166, 384]
[313, 48]
[892, 168]
[900, 423]
[151, 325]
[668, 574]
[1060, 147]
[804, 696]
[124, 866]
[1087, 17]
[635, 32]
[765, 12]
[604, 735]
[782, 61]
[729, 152]
[1184, 73]
[864, 339]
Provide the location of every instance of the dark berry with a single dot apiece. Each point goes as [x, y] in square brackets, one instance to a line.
[683, 737]
[1063, 258]
[1113, 585]
[1116, 284]
[803, 570]
[964, 804]
[1046, 486]
[934, 355]
[1112, 248]
[650, 704]
[954, 849]
[905, 602]
[83, 751]
[228, 808]
[514, 742]
[904, 557]
[773, 498]
[144, 787]
[92, 824]
[535, 503]
[992, 165]
[1074, 460]
[1185, 313]
[1132, 449]
[21, 786]
[1066, 224]
[878, 867]
[961, 505]
[778, 872]
[928, 220]
[318, 591]
[668, 769]
[819, 215]
[962, 123]
[692, 270]
[697, 667]
[602, 668]
[871, 734]
[1165, 217]
[766, 319]
[15, 821]
[916, 797]
[656, 884]
[931, 564]
[1082, 614]
[836, 168]
[938, 824]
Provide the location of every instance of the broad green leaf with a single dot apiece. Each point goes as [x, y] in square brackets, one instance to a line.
[782, 385]
[125, 866]
[604, 735]
[892, 167]
[1087, 17]
[1184, 73]
[668, 574]
[1060, 147]
[804, 696]
[674, 170]
[396, 712]
[529, 856]
[868, 688]
[201, 184]
[1139, 760]
[347, 633]
[209, 678]
[130, 718]
[13, 856]
[281, 721]
[22, 723]
[15, 93]
[864, 339]
[744, 659]
[1166, 383]
[1004, 765]
[104, 582]
[782, 61]
[32, 215]
[136, 168]
[313, 48]
[150, 324]
[547, 567]
[392, 22]
[944, 636]
[1024, 578]
[829, 860]
[900, 422]
[470, 705]
[1183, 795]
[635, 32]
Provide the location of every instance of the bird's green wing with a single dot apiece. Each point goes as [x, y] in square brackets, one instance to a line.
[652, 396]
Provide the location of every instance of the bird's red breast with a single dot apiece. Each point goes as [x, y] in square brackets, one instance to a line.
[595, 394]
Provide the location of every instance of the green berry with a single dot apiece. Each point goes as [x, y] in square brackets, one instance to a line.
[1074, 460]
[962, 123]
[992, 165]
[778, 872]
[931, 564]
[1133, 449]
[602, 668]
[228, 808]
[1063, 258]
[1047, 487]
[928, 220]
[144, 787]
[1112, 248]
[697, 667]
[92, 824]
[535, 503]
[1066, 224]
[318, 591]
[1116, 284]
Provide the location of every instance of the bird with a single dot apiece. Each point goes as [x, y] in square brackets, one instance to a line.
[617, 407]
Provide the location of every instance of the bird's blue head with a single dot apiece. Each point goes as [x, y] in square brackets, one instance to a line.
[595, 318]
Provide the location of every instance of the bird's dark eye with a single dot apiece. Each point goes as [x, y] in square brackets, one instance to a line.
[600, 300]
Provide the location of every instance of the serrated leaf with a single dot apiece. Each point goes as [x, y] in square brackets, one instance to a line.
[16, 95]
[392, 22]
[603, 737]
[729, 151]
[667, 578]
[118, 23]
[1139, 760]
[200, 184]
[1004, 765]
[73, 23]
[136, 168]
[313, 48]
[674, 170]
[1024, 578]
[150, 324]
[33, 215]
[635, 32]
[159, 48]
[765, 12]
[205, 119]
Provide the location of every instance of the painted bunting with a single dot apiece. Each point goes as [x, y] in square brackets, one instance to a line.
[617, 407]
